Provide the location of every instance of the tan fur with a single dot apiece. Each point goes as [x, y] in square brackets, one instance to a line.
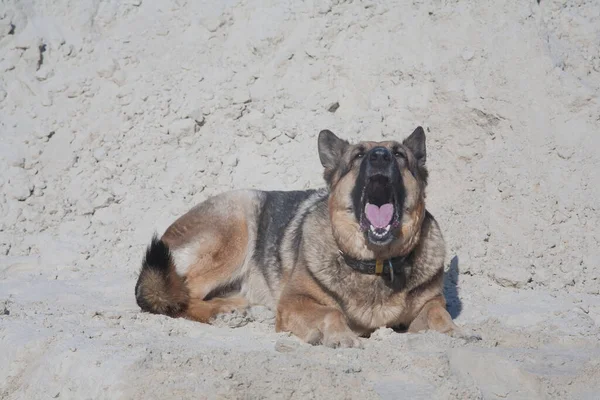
[350, 238]
[317, 296]
[310, 314]
[421, 305]
[434, 316]
[220, 258]
[204, 310]
[220, 241]
[379, 306]
[161, 294]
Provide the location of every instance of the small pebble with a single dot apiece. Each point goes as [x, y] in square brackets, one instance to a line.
[333, 107]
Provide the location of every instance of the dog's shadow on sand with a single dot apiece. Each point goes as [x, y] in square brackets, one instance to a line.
[453, 302]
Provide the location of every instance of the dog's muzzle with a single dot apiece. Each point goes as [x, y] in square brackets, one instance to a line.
[380, 206]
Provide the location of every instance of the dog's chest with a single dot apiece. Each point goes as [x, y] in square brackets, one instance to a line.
[369, 303]
[376, 312]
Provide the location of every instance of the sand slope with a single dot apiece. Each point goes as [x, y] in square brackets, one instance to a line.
[118, 116]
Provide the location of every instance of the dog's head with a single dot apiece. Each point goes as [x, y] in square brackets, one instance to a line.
[377, 193]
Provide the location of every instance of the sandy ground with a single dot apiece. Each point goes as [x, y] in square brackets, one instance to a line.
[118, 116]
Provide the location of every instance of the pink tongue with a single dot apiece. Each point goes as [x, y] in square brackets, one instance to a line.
[379, 217]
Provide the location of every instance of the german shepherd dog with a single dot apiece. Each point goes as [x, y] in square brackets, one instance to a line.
[335, 263]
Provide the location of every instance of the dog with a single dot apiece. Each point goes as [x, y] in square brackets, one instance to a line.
[335, 263]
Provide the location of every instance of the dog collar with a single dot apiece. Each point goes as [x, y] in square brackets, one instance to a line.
[390, 267]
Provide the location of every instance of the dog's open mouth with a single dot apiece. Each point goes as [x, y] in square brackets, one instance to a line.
[380, 210]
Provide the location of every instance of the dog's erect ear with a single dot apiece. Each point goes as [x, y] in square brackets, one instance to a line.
[331, 149]
[416, 143]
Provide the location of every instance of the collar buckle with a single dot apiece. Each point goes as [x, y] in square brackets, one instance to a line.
[378, 267]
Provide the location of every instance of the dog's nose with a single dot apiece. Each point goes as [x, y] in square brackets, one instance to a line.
[380, 157]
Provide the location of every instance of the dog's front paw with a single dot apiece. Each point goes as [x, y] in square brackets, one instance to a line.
[465, 334]
[341, 339]
[337, 333]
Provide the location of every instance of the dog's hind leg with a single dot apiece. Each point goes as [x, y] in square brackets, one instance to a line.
[211, 261]
[206, 250]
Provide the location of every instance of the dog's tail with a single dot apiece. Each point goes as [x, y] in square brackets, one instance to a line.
[159, 290]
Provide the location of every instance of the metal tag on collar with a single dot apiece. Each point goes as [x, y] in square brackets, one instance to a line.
[379, 267]
[391, 270]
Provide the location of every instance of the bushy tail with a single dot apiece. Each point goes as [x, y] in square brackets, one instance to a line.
[159, 290]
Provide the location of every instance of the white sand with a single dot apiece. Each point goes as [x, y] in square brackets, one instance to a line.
[136, 110]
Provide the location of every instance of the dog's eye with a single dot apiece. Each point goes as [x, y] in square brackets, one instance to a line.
[398, 154]
[359, 155]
